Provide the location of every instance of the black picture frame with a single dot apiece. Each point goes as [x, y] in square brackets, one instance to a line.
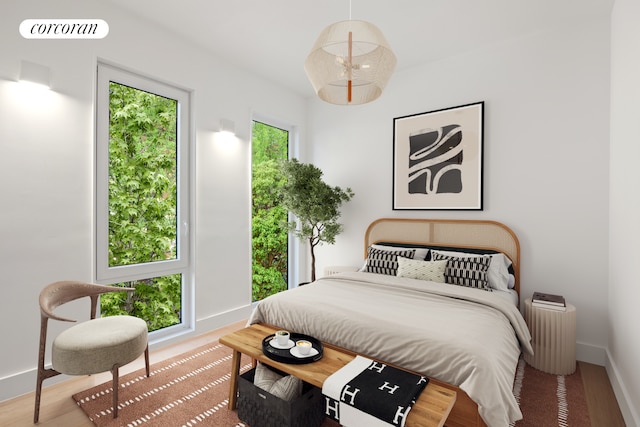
[438, 159]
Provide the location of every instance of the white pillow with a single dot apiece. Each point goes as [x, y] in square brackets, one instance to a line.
[498, 273]
[423, 270]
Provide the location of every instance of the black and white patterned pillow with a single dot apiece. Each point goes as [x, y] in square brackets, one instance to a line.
[385, 262]
[471, 272]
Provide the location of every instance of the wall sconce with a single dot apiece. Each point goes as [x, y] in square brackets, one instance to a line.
[35, 73]
[227, 127]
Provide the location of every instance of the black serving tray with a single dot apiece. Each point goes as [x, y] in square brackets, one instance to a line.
[285, 356]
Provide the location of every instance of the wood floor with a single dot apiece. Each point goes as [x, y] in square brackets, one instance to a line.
[58, 409]
[603, 407]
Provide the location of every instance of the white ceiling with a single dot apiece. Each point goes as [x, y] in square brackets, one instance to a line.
[273, 37]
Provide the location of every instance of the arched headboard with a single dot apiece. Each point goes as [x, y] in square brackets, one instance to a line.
[480, 234]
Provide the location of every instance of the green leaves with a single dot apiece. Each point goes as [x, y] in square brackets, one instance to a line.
[143, 201]
[315, 204]
[269, 217]
[142, 176]
[156, 300]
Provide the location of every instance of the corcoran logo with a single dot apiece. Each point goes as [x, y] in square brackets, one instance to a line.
[64, 29]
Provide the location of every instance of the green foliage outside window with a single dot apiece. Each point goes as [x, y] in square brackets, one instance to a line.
[269, 217]
[143, 202]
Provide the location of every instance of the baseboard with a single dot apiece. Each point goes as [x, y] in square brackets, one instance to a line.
[25, 382]
[223, 319]
[629, 413]
[205, 325]
[591, 354]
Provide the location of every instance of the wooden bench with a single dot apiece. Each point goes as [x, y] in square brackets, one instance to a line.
[431, 409]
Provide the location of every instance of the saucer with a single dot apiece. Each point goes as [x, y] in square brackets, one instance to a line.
[274, 343]
[296, 352]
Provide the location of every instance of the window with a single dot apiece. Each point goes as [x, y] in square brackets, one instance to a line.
[270, 238]
[142, 198]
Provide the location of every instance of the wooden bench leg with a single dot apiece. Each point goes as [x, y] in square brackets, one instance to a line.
[233, 387]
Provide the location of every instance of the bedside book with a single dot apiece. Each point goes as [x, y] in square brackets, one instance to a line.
[548, 306]
[549, 299]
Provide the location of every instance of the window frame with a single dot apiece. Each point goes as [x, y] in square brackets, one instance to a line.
[182, 264]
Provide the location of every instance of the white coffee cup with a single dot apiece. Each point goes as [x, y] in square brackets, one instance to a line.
[282, 337]
[304, 347]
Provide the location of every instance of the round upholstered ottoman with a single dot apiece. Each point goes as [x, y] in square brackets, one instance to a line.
[97, 345]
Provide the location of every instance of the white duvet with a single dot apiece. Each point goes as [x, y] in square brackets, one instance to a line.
[466, 337]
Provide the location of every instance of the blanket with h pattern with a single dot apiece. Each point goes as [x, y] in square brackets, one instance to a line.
[369, 393]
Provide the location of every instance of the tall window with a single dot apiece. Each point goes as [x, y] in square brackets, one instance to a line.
[269, 144]
[142, 197]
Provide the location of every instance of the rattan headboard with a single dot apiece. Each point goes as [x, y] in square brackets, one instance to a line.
[479, 234]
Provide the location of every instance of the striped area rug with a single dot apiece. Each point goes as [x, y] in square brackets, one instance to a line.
[192, 390]
[550, 400]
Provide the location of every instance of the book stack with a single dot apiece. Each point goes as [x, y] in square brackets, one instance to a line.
[548, 301]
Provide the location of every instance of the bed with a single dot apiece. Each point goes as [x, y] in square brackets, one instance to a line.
[396, 308]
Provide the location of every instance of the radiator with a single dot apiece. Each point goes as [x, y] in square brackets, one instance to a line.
[553, 337]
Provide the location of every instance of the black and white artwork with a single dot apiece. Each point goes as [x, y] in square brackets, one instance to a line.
[437, 159]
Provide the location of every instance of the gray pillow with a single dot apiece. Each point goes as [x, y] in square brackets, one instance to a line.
[283, 387]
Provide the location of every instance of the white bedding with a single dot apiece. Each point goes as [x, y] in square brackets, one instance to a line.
[466, 337]
[510, 295]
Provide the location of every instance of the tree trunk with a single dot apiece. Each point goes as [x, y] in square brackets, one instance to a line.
[313, 262]
[128, 304]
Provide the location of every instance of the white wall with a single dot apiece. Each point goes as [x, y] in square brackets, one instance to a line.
[624, 291]
[546, 168]
[546, 158]
[547, 107]
[46, 167]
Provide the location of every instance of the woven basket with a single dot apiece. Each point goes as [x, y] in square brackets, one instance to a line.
[259, 408]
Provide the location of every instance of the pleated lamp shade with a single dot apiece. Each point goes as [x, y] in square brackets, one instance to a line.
[350, 63]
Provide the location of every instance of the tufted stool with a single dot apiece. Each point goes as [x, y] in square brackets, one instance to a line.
[92, 346]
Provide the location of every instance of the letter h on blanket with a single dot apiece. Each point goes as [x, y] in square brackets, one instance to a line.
[366, 392]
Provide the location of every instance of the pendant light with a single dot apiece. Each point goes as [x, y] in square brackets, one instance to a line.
[350, 63]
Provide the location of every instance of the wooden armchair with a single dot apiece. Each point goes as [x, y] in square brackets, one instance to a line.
[90, 347]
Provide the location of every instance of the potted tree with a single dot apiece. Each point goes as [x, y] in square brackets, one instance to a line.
[315, 204]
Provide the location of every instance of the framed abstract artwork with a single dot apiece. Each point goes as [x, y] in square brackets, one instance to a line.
[438, 158]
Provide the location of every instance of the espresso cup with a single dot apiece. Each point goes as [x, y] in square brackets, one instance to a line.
[282, 337]
[304, 347]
